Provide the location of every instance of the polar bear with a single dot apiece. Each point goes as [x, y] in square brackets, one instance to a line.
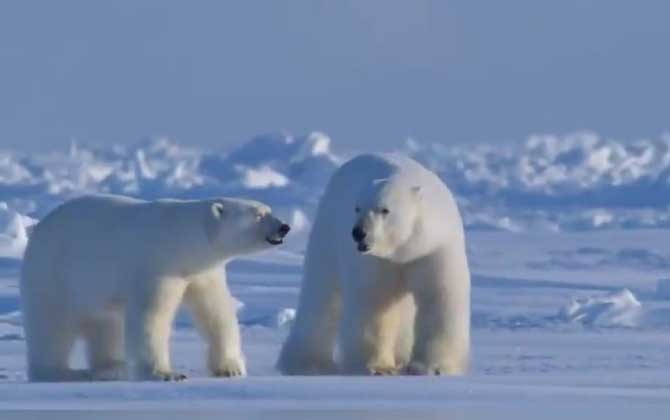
[113, 270]
[385, 265]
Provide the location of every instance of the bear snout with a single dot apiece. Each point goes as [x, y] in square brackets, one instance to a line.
[359, 236]
[277, 238]
[358, 233]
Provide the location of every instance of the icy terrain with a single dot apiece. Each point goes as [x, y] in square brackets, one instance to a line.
[577, 182]
[567, 242]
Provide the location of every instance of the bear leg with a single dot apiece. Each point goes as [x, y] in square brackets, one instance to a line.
[150, 313]
[441, 288]
[405, 339]
[372, 314]
[214, 311]
[50, 343]
[105, 347]
[310, 345]
[309, 348]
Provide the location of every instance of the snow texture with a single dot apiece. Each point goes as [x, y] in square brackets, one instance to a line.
[618, 309]
[577, 182]
[566, 241]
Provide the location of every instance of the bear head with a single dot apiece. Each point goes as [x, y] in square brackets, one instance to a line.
[386, 214]
[235, 226]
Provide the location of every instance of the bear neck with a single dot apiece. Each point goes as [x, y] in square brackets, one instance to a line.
[199, 256]
[419, 244]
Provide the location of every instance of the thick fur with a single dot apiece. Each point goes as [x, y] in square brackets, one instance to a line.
[398, 301]
[114, 270]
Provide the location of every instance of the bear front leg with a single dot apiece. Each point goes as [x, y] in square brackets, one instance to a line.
[441, 288]
[214, 310]
[371, 320]
[150, 313]
[309, 347]
[368, 338]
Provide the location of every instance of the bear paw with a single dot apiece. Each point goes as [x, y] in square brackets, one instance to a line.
[145, 372]
[169, 376]
[383, 370]
[113, 372]
[229, 368]
[422, 368]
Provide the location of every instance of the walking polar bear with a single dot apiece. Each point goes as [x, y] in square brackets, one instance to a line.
[387, 249]
[114, 270]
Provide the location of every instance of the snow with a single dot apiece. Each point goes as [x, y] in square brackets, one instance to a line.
[263, 177]
[566, 240]
[576, 182]
[298, 221]
[579, 181]
[618, 309]
[663, 288]
[14, 229]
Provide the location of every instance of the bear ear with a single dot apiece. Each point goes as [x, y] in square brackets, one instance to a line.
[416, 191]
[218, 210]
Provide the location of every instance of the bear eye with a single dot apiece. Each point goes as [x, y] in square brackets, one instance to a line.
[357, 209]
[258, 215]
[385, 211]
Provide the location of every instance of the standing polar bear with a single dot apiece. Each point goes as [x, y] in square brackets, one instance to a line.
[387, 249]
[114, 270]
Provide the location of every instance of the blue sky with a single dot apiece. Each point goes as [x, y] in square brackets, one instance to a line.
[369, 73]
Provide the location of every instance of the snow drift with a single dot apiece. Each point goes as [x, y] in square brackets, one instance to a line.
[14, 231]
[616, 309]
[577, 182]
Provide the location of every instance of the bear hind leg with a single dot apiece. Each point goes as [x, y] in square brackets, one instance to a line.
[50, 344]
[105, 348]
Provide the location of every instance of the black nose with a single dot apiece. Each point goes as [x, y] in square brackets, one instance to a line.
[283, 229]
[358, 234]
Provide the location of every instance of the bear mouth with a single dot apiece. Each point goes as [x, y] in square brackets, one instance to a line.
[274, 241]
[278, 237]
[363, 247]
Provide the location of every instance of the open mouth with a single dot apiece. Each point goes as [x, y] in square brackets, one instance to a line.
[274, 241]
[363, 248]
[278, 238]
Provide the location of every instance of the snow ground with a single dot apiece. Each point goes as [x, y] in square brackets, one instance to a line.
[566, 312]
[527, 353]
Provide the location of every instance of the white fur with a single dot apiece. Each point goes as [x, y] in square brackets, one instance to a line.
[114, 270]
[404, 305]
